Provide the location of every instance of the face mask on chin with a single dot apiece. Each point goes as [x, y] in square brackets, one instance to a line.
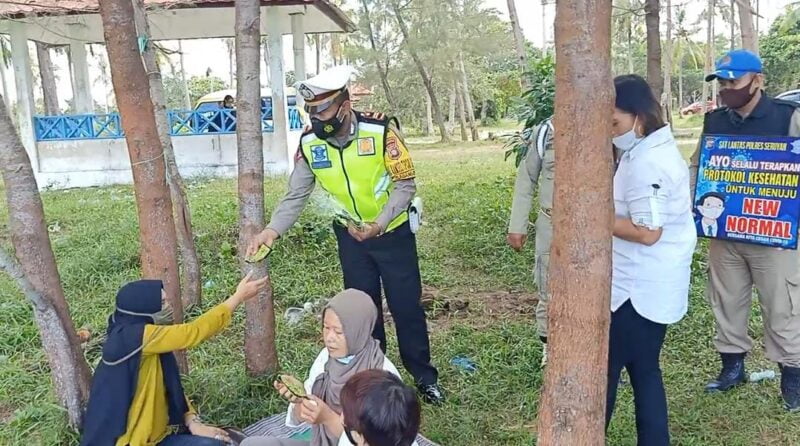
[164, 317]
[738, 97]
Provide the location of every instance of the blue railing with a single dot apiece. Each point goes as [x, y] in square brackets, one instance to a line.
[181, 123]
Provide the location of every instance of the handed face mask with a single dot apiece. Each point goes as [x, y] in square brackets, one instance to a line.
[328, 128]
[627, 140]
[738, 97]
[164, 317]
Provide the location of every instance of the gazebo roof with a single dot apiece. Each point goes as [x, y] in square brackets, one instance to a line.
[64, 21]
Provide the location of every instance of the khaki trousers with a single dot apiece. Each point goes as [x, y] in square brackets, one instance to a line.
[544, 238]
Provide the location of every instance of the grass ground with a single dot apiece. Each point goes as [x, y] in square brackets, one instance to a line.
[480, 298]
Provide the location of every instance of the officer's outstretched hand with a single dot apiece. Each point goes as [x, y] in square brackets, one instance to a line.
[370, 230]
[517, 241]
[265, 237]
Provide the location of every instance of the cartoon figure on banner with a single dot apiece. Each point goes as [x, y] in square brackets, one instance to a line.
[710, 208]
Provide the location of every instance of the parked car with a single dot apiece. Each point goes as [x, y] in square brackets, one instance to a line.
[213, 100]
[697, 108]
[791, 95]
[210, 116]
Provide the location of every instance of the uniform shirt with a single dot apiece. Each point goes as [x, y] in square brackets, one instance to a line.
[302, 182]
[651, 187]
[537, 168]
[148, 416]
[318, 368]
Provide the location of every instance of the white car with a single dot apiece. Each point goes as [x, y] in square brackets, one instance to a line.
[791, 95]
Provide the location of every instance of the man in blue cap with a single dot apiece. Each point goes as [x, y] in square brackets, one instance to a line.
[734, 268]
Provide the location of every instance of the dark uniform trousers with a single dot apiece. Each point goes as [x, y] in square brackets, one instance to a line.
[391, 259]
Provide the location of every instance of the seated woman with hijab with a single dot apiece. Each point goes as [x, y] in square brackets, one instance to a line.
[347, 324]
[137, 398]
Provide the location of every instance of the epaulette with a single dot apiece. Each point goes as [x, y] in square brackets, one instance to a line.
[371, 116]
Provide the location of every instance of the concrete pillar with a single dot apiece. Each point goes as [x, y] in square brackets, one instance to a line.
[23, 80]
[82, 94]
[279, 109]
[299, 47]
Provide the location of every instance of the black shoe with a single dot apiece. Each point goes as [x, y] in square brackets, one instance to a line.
[431, 394]
[731, 375]
[790, 388]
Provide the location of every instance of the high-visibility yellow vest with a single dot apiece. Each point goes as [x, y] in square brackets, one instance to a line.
[355, 176]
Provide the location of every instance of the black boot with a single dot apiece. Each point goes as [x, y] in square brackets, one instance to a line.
[731, 375]
[431, 394]
[790, 388]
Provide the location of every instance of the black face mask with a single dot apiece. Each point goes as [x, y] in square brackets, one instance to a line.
[328, 128]
[737, 98]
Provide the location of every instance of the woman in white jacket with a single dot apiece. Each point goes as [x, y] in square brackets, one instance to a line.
[654, 239]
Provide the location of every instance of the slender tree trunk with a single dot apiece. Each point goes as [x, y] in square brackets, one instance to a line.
[630, 44]
[267, 56]
[318, 51]
[470, 110]
[733, 24]
[668, 66]
[153, 202]
[187, 100]
[190, 264]
[519, 40]
[749, 35]
[231, 63]
[261, 356]
[680, 84]
[484, 111]
[426, 78]
[572, 409]
[49, 89]
[428, 115]
[383, 71]
[462, 120]
[654, 76]
[709, 50]
[451, 116]
[544, 24]
[37, 274]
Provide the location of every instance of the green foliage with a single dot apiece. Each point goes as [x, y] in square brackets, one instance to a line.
[200, 86]
[780, 50]
[173, 89]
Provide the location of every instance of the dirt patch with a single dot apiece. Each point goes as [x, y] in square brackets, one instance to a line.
[478, 308]
[6, 413]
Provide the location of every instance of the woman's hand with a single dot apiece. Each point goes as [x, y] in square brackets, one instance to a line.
[203, 430]
[315, 411]
[285, 393]
[246, 290]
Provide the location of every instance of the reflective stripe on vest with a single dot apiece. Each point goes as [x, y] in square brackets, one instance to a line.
[356, 176]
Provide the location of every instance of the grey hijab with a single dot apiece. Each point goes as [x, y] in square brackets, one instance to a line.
[358, 316]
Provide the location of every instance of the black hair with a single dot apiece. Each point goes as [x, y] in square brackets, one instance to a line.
[377, 405]
[708, 195]
[635, 96]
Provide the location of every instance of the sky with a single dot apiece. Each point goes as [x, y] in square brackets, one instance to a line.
[202, 55]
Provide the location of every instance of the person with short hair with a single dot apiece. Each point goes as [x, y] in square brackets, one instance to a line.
[379, 410]
[653, 244]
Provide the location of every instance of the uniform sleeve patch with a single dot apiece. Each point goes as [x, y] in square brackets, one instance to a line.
[397, 158]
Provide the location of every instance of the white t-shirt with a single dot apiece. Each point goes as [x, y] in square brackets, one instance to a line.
[651, 187]
[317, 368]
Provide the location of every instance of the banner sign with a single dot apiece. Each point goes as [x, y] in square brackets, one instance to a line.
[747, 189]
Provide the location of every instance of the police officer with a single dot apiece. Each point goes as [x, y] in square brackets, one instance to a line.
[537, 168]
[362, 162]
[734, 268]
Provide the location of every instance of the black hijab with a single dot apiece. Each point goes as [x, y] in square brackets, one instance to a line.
[115, 379]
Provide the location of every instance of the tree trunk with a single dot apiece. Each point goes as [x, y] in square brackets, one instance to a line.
[318, 51]
[680, 84]
[383, 71]
[484, 111]
[261, 356]
[630, 44]
[668, 66]
[266, 62]
[426, 78]
[519, 40]
[231, 63]
[49, 89]
[3, 74]
[709, 51]
[572, 409]
[462, 120]
[654, 76]
[733, 24]
[38, 274]
[153, 202]
[749, 36]
[451, 117]
[470, 110]
[428, 115]
[187, 100]
[190, 264]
